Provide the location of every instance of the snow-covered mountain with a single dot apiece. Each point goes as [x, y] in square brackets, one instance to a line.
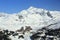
[29, 19]
[37, 18]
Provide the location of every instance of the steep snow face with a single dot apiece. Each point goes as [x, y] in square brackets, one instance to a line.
[37, 18]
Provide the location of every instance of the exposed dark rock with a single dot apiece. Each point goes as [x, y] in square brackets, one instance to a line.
[50, 32]
[21, 36]
[15, 34]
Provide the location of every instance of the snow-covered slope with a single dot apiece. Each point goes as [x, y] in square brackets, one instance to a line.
[36, 18]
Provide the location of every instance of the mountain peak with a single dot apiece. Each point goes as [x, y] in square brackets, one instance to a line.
[34, 9]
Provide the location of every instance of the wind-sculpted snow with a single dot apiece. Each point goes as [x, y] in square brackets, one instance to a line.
[36, 18]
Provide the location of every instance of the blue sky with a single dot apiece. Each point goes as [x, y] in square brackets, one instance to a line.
[14, 6]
